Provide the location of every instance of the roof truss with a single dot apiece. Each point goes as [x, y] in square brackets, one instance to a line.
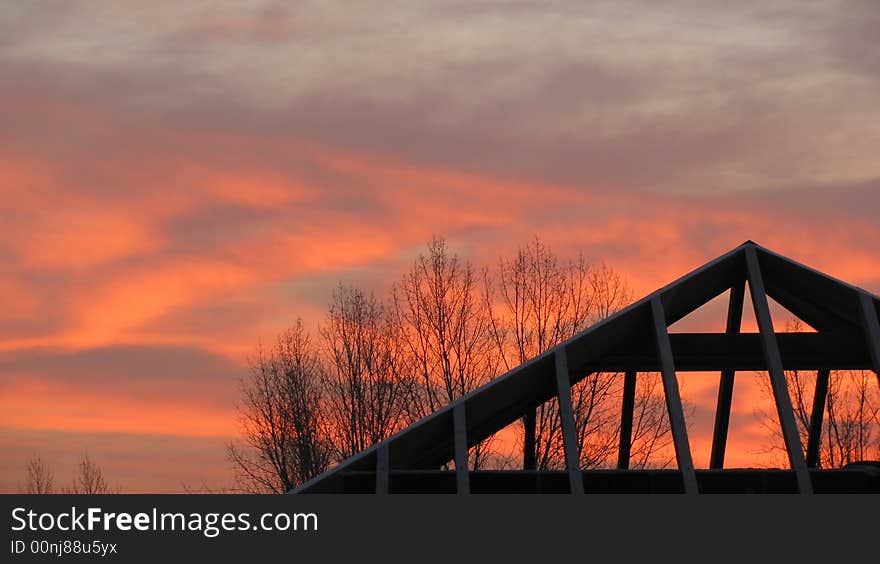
[636, 339]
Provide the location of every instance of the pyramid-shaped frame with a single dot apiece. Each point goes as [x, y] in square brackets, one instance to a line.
[636, 340]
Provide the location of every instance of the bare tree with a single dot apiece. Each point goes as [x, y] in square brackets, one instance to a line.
[367, 393]
[610, 291]
[651, 443]
[281, 417]
[444, 329]
[851, 419]
[537, 300]
[852, 430]
[441, 336]
[39, 479]
[89, 479]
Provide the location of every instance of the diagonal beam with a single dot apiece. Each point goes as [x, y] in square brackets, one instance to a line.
[872, 330]
[673, 399]
[821, 300]
[462, 475]
[569, 429]
[626, 420]
[819, 397]
[725, 386]
[777, 374]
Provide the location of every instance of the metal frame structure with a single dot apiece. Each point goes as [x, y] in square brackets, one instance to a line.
[634, 340]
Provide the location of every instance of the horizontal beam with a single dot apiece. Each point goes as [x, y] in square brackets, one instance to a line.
[705, 352]
[842, 480]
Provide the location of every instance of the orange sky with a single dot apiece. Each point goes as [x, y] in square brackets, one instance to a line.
[179, 183]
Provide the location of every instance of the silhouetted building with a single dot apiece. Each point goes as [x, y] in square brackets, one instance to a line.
[636, 340]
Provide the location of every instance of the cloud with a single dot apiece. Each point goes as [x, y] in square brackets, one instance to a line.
[143, 375]
[694, 100]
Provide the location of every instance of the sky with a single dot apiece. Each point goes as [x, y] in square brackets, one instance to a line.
[179, 181]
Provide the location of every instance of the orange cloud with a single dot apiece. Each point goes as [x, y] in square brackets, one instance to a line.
[114, 306]
[40, 405]
[77, 239]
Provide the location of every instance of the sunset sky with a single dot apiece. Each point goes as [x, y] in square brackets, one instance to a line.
[181, 180]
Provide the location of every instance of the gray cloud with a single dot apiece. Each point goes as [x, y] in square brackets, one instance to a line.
[687, 98]
[165, 373]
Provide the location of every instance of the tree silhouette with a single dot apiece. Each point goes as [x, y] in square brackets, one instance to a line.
[851, 419]
[39, 478]
[367, 392]
[89, 479]
[444, 329]
[535, 301]
[283, 432]
[442, 333]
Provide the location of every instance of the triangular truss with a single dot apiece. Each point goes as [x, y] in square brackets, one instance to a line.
[635, 340]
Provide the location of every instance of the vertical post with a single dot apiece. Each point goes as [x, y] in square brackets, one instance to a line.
[725, 385]
[383, 470]
[462, 475]
[529, 461]
[819, 397]
[872, 330]
[673, 399]
[626, 419]
[569, 428]
[777, 374]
